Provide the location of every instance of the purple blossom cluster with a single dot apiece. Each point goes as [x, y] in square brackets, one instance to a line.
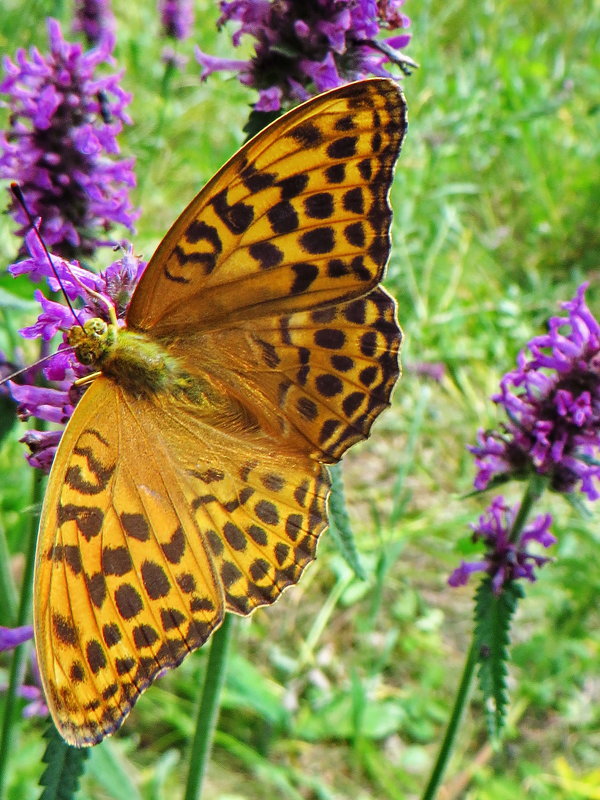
[61, 144]
[177, 18]
[305, 48]
[9, 639]
[94, 18]
[552, 401]
[505, 560]
[56, 403]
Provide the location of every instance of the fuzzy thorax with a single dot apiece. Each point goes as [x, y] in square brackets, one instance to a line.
[140, 365]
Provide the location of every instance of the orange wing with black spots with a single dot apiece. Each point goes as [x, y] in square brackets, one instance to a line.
[162, 523]
[316, 380]
[173, 501]
[297, 218]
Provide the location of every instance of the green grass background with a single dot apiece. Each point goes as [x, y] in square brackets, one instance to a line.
[342, 689]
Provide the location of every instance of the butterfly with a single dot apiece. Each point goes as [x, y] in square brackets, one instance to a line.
[258, 347]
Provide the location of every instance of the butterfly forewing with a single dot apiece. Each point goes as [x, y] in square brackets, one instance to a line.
[298, 218]
[152, 547]
[167, 508]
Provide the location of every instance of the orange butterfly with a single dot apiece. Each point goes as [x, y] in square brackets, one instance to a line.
[258, 347]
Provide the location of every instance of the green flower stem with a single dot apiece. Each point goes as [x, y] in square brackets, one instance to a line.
[167, 80]
[7, 738]
[460, 704]
[157, 142]
[208, 709]
[533, 491]
[8, 593]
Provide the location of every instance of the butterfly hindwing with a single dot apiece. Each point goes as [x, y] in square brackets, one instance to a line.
[259, 507]
[315, 380]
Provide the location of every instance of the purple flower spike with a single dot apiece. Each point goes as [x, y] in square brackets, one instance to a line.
[12, 637]
[177, 18]
[505, 560]
[61, 144]
[553, 403]
[94, 18]
[305, 48]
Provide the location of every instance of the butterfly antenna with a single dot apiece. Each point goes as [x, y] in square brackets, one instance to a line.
[35, 364]
[20, 197]
[401, 60]
[110, 309]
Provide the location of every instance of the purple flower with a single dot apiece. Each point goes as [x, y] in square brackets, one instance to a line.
[56, 403]
[269, 99]
[74, 279]
[9, 639]
[94, 18]
[212, 64]
[504, 559]
[552, 401]
[305, 48]
[43, 402]
[42, 448]
[177, 18]
[36, 707]
[435, 370]
[118, 281]
[12, 637]
[54, 317]
[59, 147]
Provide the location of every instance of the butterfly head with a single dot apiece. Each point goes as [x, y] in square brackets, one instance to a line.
[92, 341]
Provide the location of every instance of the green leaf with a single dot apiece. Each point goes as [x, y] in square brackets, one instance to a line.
[12, 302]
[248, 689]
[493, 613]
[578, 505]
[8, 415]
[111, 770]
[347, 716]
[65, 767]
[339, 523]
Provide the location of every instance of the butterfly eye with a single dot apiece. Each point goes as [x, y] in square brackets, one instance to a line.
[95, 328]
[92, 341]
